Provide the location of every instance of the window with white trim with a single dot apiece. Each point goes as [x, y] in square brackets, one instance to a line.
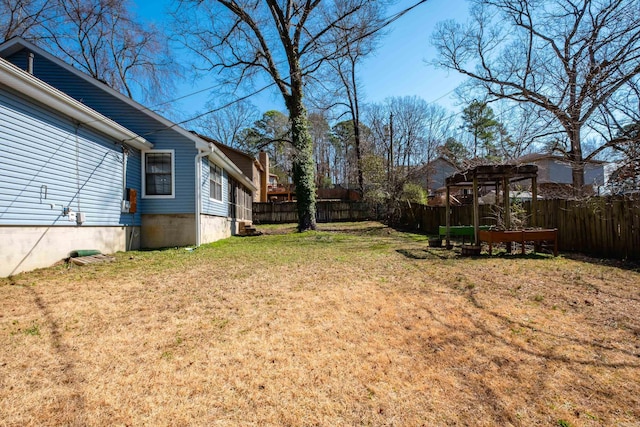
[215, 182]
[158, 174]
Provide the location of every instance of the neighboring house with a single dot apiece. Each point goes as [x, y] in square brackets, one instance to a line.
[277, 192]
[623, 178]
[257, 170]
[555, 173]
[431, 176]
[84, 167]
[273, 181]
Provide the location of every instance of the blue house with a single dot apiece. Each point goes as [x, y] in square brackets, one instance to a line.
[555, 174]
[84, 167]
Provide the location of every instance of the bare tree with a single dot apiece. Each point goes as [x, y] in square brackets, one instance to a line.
[566, 57]
[409, 124]
[439, 125]
[284, 41]
[100, 37]
[408, 132]
[323, 149]
[618, 119]
[226, 125]
[524, 128]
[345, 68]
[24, 18]
[619, 125]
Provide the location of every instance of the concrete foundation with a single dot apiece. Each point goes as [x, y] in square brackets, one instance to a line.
[28, 248]
[164, 231]
[214, 228]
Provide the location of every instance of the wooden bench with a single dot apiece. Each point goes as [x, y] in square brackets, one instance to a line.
[521, 236]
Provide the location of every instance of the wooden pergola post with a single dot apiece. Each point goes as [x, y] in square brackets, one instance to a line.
[507, 203]
[448, 215]
[487, 175]
[534, 202]
[476, 212]
[507, 207]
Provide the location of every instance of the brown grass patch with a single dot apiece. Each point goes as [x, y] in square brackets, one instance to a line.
[354, 325]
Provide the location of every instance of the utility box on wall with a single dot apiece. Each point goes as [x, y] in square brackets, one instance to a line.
[129, 204]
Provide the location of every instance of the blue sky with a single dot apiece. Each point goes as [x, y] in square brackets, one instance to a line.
[398, 68]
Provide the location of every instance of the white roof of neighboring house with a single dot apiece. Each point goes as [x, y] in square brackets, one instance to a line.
[534, 157]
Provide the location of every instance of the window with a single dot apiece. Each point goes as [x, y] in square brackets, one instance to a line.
[158, 174]
[215, 182]
[240, 201]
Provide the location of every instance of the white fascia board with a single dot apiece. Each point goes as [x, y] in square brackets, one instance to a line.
[220, 159]
[34, 88]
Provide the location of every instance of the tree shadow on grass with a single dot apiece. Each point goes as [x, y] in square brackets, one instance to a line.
[428, 253]
[534, 361]
[455, 253]
[62, 351]
[375, 231]
[630, 265]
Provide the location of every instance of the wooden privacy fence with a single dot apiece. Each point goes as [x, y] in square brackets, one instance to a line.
[607, 227]
[326, 211]
[600, 226]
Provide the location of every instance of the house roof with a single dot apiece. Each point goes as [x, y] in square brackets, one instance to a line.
[488, 174]
[16, 44]
[34, 88]
[432, 163]
[533, 157]
[227, 147]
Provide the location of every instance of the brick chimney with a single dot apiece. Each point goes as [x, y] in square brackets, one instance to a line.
[263, 158]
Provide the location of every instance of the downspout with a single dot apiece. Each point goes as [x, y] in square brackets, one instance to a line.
[125, 156]
[198, 165]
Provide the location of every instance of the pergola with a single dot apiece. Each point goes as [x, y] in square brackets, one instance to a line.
[496, 175]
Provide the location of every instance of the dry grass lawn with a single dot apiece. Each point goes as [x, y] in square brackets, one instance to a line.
[355, 324]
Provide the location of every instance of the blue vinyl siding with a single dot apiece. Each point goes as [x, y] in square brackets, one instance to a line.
[131, 118]
[46, 160]
[210, 206]
[594, 174]
[560, 172]
[134, 180]
[184, 167]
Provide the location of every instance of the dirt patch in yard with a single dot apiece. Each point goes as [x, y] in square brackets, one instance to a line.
[355, 324]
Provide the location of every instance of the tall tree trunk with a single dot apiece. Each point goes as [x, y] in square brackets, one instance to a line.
[577, 164]
[303, 165]
[356, 136]
[355, 110]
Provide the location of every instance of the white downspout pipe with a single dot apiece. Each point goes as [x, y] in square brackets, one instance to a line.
[198, 165]
[125, 156]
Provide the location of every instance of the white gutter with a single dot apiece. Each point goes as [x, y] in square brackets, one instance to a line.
[202, 152]
[32, 87]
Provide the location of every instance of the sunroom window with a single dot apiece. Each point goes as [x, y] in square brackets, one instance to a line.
[215, 182]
